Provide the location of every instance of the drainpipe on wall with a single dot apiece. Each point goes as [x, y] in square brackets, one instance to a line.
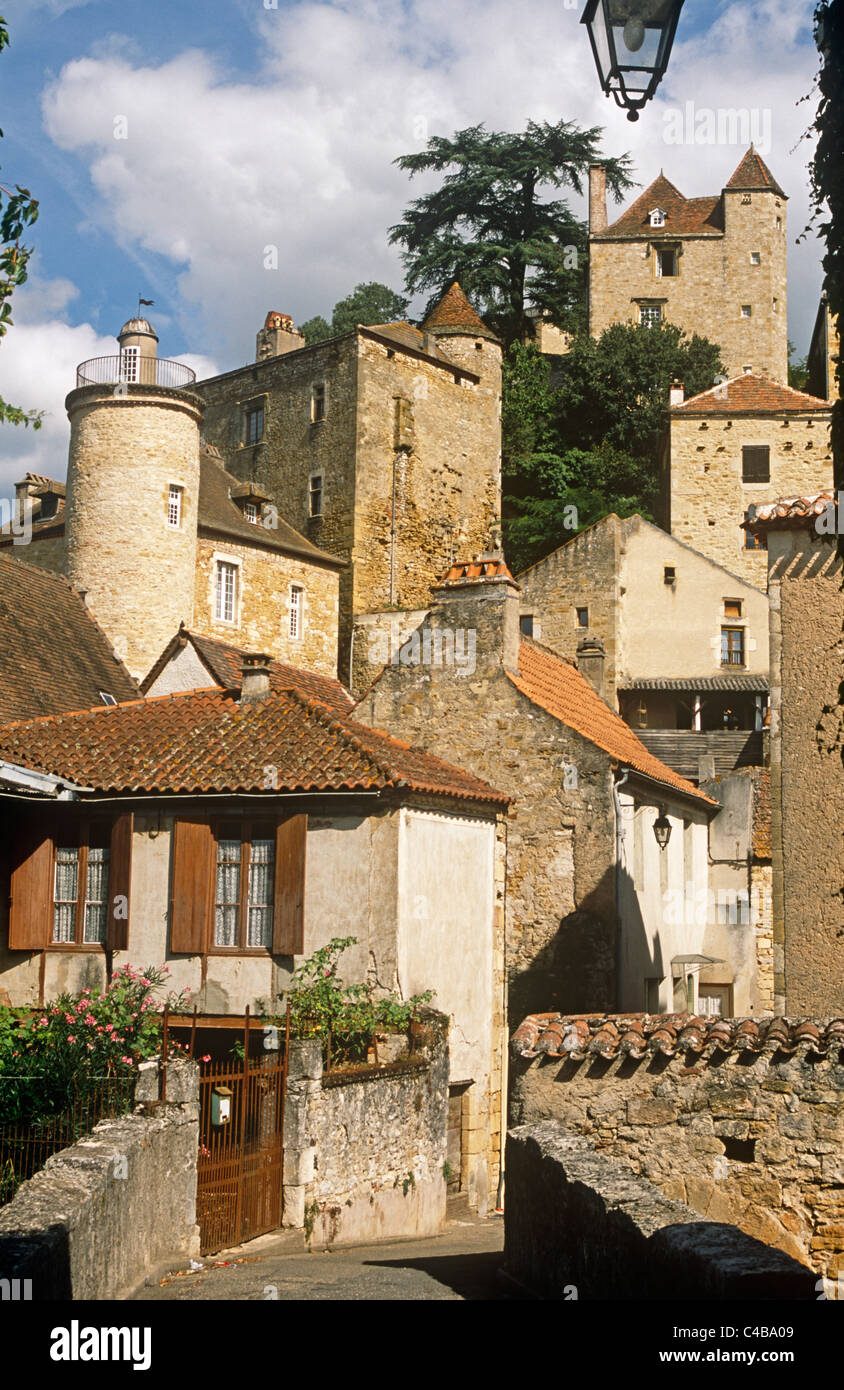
[619, 841]
[396, 458]
[505, 1042]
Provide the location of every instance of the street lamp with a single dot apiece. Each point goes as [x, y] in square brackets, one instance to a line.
[662, 828]
[631, 43]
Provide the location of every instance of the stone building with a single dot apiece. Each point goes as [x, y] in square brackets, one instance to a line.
[586, 877]
[685, 642]
[714, 266]
[155, 532]
[116, 824]
[727, 450]
[382, 446]
[824, 352]
[807, 738]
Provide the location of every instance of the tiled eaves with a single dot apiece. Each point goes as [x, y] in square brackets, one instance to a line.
[752, 394]
[580, 1037]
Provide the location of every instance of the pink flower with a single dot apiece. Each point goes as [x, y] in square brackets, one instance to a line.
[90, 1047]
[100, 1029]
[206, 1058]
[71, 1037]
[126, 1059]
[69, 1018]
[89, 1019]
[42, 1022]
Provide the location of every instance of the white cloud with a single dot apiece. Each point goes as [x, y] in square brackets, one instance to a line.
[301, 158]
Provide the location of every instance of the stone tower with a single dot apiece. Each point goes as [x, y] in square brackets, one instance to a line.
[714, 266]
[133, 486]
[277, 336]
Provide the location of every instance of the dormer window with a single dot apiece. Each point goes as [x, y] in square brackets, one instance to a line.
[252, 513]
[657, 217]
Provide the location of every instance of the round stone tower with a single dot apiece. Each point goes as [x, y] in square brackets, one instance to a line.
[133, 492]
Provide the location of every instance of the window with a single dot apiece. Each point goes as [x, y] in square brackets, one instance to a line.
[252, 513]
[732, 646]
[779, 224]
[747, 369]
[225, 607]
[318, 402]
[732, 607]
[174, 506]
[296, 603]
[244, 886]
[714, 1001]
[657, 217]
[80, 885]
[756, 463]
[747, 311]
[582, 617]
[669, 575]
[253, 423]
[650, 315]
[666, 261]
[746, 199]
[315, 495]
[755, 541]
[129, 362]
[526, 624]
[107, 698]
[755, 258]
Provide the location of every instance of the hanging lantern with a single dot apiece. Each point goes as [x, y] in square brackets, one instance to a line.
[662, 828]
[631, 43]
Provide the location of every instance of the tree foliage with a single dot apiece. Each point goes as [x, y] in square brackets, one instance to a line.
[368, 303]
[588, 444]
[491, 225]
[18, 210]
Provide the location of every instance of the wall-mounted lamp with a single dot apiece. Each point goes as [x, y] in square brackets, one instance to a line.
[662, 828]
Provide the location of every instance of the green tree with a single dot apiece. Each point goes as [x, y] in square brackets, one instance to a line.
[589, 444]
[316, 330]
[491, 225]
[798, 369]
[18, 209]
[368, 304]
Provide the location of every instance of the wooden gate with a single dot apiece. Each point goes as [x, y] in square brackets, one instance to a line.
[241, 1150]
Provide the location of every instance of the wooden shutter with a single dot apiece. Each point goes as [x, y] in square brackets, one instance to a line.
[194, 865]
[119, 883]
[31, 895]
[289, 914]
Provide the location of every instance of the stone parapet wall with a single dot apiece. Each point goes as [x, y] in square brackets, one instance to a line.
[579, 1225]
[756, 1140]
[104, 1213]
[364, 1152]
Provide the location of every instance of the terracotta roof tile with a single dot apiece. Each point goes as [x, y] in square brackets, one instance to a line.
[683, 216]
[484, 570]
[789, 513]
[580, 1036]
[754, 174]
[559, 688]
[225, 662]
[455, 311]
[750, 394]
[204, 741]
[54, 657]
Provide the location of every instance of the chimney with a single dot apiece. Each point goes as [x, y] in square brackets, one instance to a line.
[478, 603]
[278, 335]
[677, 393]
[590, 662]
[255, 678]
[597, 198]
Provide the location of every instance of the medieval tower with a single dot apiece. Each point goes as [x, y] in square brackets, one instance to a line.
[133, 487]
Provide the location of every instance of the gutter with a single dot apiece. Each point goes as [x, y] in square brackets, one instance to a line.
[619, 840]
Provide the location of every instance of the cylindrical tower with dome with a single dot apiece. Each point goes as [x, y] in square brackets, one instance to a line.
[133, 492]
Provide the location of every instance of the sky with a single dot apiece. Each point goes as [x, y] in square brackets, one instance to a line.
[229, 157]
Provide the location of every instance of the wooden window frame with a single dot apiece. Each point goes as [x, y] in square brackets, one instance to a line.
[296, 613]
[749, 450]
[316, 492]
[247, 827]
[33, 881]
[646, 315]
[319, 402]
[730, 632]
[254, 410]
[219, 566]
[175, 494]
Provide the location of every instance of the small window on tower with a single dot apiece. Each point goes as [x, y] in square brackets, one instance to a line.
[174, 507]
[318, 402]
[315, 495]
[297, 595]
[747, 311]
[129, 360]
[526, 624]
[582, 617]
[253, 424]
[756, 258]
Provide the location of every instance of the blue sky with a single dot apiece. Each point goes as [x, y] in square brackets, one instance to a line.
[249, 126]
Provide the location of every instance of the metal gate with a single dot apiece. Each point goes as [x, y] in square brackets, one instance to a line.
[241, 1150]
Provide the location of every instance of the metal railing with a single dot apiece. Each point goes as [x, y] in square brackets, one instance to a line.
[134, 371]
[28, 1139]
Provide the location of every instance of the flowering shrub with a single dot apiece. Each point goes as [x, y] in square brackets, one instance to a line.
[345, 1016]
[79, 1039]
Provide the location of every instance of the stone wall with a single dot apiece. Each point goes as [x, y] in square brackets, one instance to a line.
[751, 1139]
[709, 501]
[715, 278]
[807, 783]
[364, 1151]
[263, 610]
[103, 1214]
[580, 1226]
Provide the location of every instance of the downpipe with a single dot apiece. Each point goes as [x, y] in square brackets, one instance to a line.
[619, 844]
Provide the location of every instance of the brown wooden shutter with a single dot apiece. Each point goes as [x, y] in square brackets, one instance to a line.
[119, 883]
[194, 864]
[31, 895]
[289, 915]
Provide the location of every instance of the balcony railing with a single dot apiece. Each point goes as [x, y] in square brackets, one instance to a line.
[134, 371]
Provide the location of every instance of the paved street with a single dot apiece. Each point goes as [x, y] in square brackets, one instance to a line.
[460, 1265]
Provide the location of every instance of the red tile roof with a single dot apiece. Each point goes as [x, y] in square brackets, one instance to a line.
[579, 1036]
[454, 311]
[683, 216]
[790, 513]
[559, 688]
[750, 394]
[53, 655]
[484, 570]
[204, 741]
[224, 663]
[753, 174]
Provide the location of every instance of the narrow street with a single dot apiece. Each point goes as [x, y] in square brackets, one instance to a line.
[460, 1265]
